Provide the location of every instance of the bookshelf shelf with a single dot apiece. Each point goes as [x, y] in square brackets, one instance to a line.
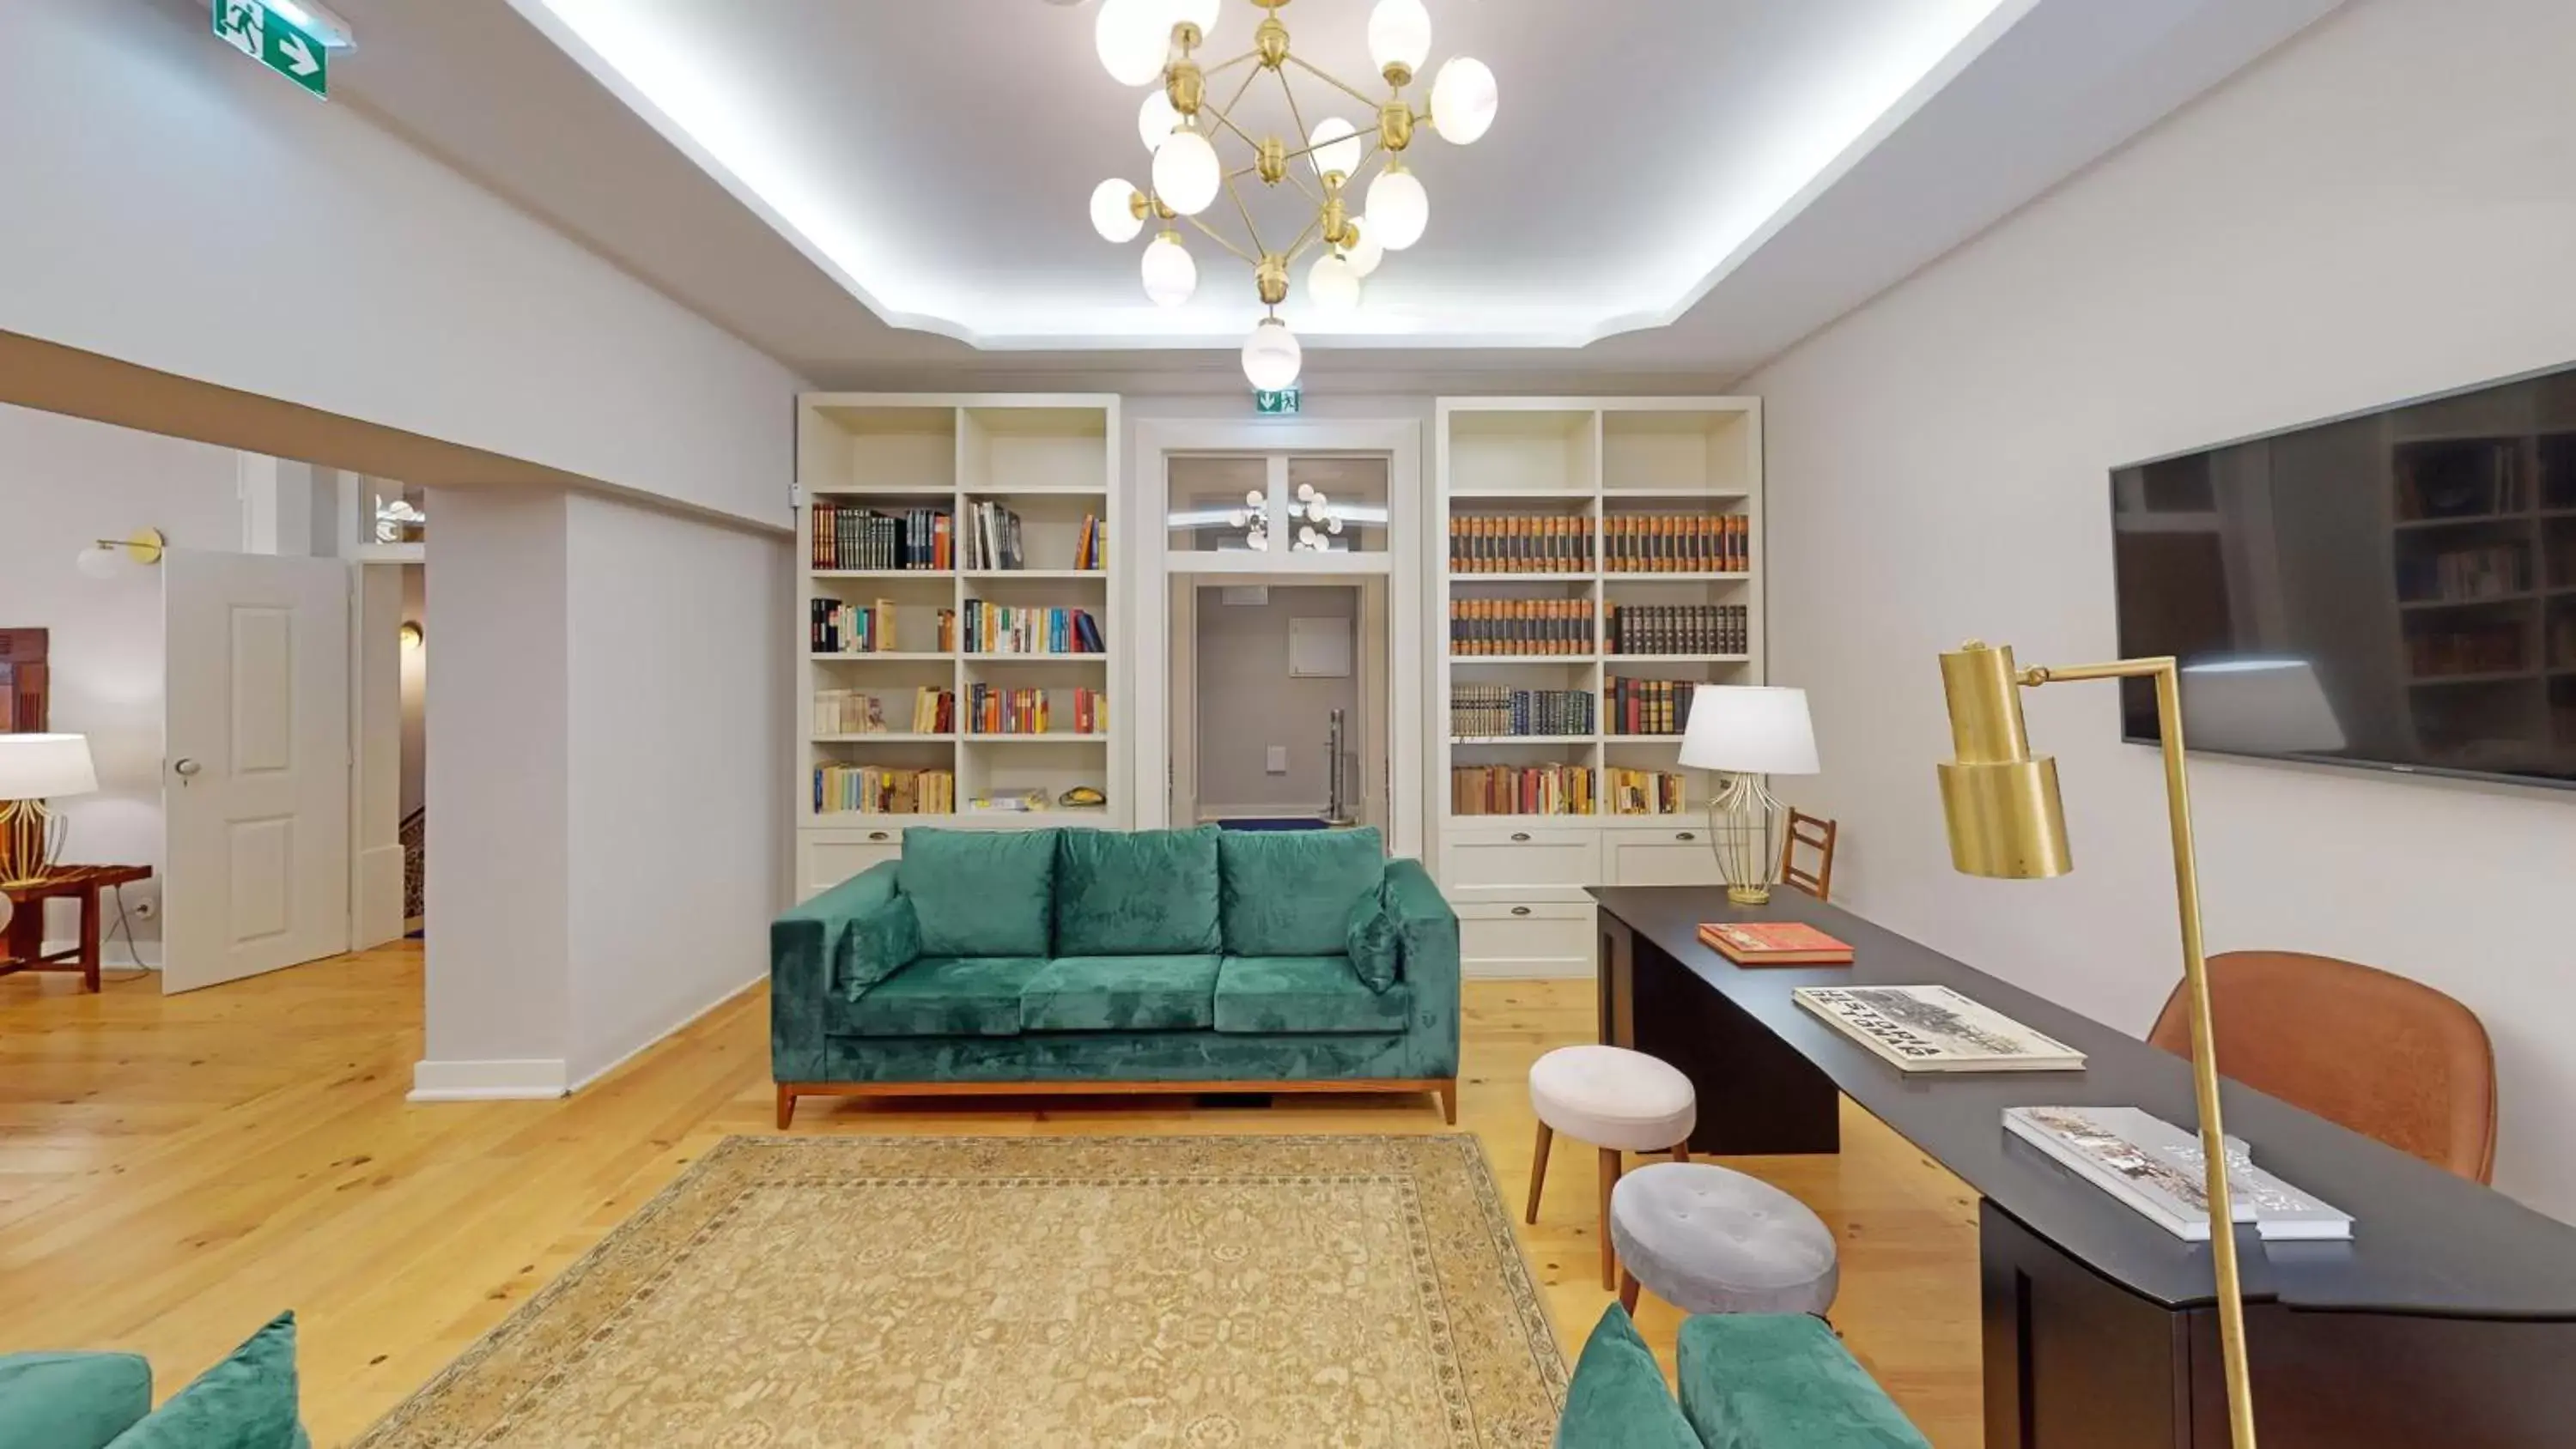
[882, 737]
[883, 656]
[1571, 660]
[1051, 737]
[1523, 739]
[1035, 658]
[882, 573]
[1034, 574]
[1583, 577]
[1674, 740]
[1679, 659]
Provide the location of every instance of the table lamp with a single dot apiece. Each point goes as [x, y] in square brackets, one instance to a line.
[2006, 821]
[34, 769]
[1745, 732]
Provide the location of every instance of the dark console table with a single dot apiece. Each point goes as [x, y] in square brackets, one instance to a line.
[2449, 1319]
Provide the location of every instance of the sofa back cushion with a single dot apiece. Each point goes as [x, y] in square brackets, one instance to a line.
[1617, 1398]
[248, 1401]
[980, 892]
[72, 1400]
[1290, 892]
[1136, 892]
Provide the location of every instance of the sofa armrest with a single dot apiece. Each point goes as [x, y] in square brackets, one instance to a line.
[805, 947]
[1782, 1381]
[1428, 930]
[72, 1400]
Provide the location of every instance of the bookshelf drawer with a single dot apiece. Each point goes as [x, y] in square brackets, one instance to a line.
[833, 856]
[1662, 857]
[1488, 862]
[1531, 938]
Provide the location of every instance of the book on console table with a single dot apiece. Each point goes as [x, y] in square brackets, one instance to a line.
[1774, 943]
[1935, 1029]
[2156, 1168]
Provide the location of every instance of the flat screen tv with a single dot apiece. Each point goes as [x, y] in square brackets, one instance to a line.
[2395, 589]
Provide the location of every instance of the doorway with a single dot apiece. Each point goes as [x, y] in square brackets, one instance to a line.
[1281, 712]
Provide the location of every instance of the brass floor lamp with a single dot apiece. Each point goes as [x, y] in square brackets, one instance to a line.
[2007, 821]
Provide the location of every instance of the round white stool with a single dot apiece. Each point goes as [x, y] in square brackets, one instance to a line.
[1618, 1100]
[1708, 1239]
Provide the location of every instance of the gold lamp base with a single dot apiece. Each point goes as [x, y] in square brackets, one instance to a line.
[1749, 895]
[29, 838]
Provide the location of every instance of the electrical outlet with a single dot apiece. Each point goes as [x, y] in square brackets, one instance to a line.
[1278, 763]
[144, 910]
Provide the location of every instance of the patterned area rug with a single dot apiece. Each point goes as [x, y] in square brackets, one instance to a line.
[1199, 1292]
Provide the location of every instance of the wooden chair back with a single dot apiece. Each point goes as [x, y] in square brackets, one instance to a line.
[1817, 834]
[2387, 1057]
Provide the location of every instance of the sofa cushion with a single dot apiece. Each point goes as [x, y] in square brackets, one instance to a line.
[1290, 892]
[1750, 1380]
[1374, 943]
[1617, 1398]
[882, 940]
[980, 892]
[73, 1400]
[1136, 893]
[945, 996]
[1270, 994]
[245, 1402]
[1121, 993]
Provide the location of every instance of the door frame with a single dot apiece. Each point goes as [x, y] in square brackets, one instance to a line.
[1408, 748]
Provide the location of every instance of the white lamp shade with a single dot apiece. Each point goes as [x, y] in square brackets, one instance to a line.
[1133, 38]
[1749, 730]
[1186, 173]
[1337, 146]
[45, 767]
[1399, 33]
[1156, 119]
[1463, 100]
[1400, 207]
[1111, 216]
[2258, 707]
[1171, 275]
[1271, 356]
[1332, 286]
[1365, 256]
[97, 562]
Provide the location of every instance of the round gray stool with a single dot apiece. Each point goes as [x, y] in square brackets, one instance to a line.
[1710, 1240]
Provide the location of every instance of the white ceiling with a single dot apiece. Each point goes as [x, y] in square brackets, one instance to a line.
[882, 192]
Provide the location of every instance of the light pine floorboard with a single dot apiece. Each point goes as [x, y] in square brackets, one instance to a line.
[175, 1170]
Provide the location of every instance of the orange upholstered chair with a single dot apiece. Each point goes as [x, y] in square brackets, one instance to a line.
[2387, 1057]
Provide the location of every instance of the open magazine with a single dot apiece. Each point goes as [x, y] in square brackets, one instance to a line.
[2157, 1168]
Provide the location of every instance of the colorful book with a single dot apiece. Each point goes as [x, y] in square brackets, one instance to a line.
[1774, 943]
[1935, 1029]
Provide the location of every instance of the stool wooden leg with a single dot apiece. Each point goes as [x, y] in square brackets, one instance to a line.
[1628, 1292]
[1609, 1180]
[1681, 1151]
[1538, 1167]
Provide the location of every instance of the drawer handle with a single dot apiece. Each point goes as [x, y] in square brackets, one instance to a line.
[1685, 835]
[1521, 835]
[876, 835]
[1520, 910]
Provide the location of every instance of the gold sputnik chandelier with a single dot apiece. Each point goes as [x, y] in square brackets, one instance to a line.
[1158, 42]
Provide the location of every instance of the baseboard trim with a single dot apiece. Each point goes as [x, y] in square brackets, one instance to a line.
[112, 955]
[528, 1079]
[674, 1029]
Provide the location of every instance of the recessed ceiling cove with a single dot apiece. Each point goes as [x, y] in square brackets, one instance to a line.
[940, 160]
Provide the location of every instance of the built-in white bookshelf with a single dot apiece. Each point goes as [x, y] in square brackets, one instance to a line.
[1051, 462]
[1602, 507]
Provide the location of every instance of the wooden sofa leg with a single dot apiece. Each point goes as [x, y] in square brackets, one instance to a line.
[1449, 1101]
[786, 1106]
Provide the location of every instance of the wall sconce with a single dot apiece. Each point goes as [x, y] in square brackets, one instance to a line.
[413, 636]
[145, 546]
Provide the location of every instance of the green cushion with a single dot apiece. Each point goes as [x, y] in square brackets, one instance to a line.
[1757, 1380]
[1290, 892]
[1136, 893]
[1271, 994]
[1121, 993]
[1374, 942]
[980, 892]
[245, 1402]
[1617, 1398]
[882, 940]
[945, 996]
[72, 1400]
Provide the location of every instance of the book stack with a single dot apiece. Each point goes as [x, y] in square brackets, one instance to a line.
[1519, 626]
[2159, 1171]
[1521, 790]
[1519, 544]
[876, 790]
[846, 536]
[843, 628]
[993, 538]
[1493, 709]
[1011, 629]
[997, 711]
[1091, 549]
[848, 712]
[1677, 543]
[1649, 706]
[2491, 571]
[1647, 629]
[1645, 792]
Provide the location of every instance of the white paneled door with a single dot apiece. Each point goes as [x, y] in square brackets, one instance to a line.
[256, 774]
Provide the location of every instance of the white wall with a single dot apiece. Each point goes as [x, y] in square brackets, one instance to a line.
[680, 673]
[188, 211]
[64, 484]
[2385, 207]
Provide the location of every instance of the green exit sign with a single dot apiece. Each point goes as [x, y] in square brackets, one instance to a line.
[1286, 400]
[269, 33]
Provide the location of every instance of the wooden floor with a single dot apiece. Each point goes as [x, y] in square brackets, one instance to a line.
[175, 1170]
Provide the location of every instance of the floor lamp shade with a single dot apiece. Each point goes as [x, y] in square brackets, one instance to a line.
[45, 767]
[1749, 730]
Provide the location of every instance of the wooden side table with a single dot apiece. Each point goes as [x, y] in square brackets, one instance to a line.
[24, 950]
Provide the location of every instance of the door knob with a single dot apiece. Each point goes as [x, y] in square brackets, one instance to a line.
[187, 768]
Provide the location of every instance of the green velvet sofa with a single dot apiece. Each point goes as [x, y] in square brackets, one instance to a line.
[1748, 1381]
[1078, 960]
[104, 1400]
